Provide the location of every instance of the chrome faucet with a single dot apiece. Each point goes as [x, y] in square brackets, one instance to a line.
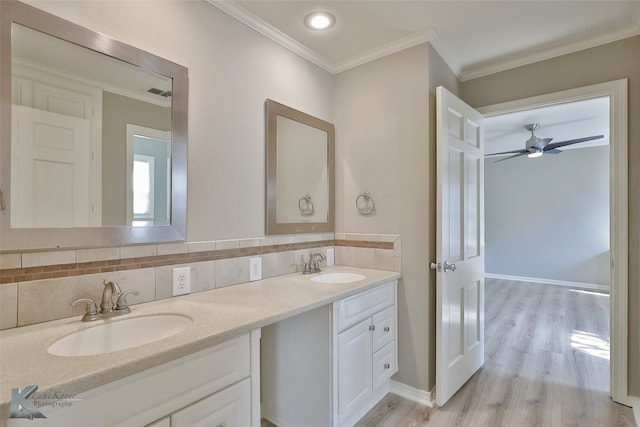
[110, 290]
[313, 266]
[107, 307]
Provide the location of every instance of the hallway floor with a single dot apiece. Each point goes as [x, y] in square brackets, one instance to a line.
[546, 364]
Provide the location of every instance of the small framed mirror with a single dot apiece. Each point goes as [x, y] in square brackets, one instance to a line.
[300, 171]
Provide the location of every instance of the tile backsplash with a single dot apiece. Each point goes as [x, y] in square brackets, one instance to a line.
[39, 286]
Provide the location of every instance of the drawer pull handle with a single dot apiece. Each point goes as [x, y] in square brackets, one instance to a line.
[372, 327]
[387, 366]
[386, 329]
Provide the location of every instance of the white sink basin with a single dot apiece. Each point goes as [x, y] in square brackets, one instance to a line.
[119, 334]
[337, 277]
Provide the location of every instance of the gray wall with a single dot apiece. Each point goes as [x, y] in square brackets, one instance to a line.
[548, 218]
[382, 146]
[385, 144]
[232, 71]
[600, 64]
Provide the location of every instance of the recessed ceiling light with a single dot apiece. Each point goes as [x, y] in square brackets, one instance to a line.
[319, 20]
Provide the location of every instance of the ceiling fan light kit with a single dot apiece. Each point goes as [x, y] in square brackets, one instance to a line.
[534, 152]
[535, 147]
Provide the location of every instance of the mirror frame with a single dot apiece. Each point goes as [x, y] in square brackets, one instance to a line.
[273, 110]
[17, 239]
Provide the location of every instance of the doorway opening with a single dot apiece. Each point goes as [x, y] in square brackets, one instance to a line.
[616, 93]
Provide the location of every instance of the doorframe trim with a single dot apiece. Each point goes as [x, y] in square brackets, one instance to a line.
[616, 90]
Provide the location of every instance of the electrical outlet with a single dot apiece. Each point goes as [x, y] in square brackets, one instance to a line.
[181, 281]
[255, 269]
[331, 259]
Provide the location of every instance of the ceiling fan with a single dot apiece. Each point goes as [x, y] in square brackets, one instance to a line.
[535, 146]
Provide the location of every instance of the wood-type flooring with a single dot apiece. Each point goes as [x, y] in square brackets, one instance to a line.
[546, 364]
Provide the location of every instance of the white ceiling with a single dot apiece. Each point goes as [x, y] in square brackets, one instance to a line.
[474, 37]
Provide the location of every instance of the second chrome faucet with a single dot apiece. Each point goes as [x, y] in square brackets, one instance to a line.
[313, 266]
[108, 308]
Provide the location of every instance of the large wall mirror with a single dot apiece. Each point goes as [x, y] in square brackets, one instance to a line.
[93, 137]
[300, 171]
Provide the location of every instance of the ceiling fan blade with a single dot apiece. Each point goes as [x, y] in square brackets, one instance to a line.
[571, 141]
[553, 151]
[507, 152]
[511, 157]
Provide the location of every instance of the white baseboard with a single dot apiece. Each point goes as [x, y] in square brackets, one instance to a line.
[581, 285]
[414, 394]
[634, 402]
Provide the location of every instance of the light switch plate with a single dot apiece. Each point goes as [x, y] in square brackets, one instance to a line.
[255, 269]
[181, 281]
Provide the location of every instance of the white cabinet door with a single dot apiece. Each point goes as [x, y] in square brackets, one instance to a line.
[230, 407]
[355, 385]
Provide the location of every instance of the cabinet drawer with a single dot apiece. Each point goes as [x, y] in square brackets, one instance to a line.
[227, 408]
[385, 328]
[161, 390]
[384, 364]
[355, 308]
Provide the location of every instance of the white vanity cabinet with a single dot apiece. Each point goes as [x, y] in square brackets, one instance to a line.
[366, 350]
[226, 408]
[217, 386]
[329, 366]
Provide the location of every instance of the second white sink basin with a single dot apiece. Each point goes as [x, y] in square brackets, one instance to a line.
[119, 334]
[337, 277]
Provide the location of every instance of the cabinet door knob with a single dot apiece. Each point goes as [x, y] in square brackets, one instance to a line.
[372, 327]
[386, 329]
[387, 366]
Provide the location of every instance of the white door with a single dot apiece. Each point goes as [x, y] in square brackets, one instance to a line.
[50, 172]
[459, 244]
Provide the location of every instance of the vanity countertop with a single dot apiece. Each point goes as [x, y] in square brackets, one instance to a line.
[218, 315]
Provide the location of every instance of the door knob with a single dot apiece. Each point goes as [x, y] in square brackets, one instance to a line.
[449, 267]
[443, 267]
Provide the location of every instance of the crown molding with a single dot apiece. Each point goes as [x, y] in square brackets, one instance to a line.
[415, 39]
[445, 53]
[384, 50]
[496, 66]
[462, 73]
[249, 19]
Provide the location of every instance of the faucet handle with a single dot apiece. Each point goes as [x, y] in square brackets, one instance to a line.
[306, 268]
[91, 312]
[121, 302]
